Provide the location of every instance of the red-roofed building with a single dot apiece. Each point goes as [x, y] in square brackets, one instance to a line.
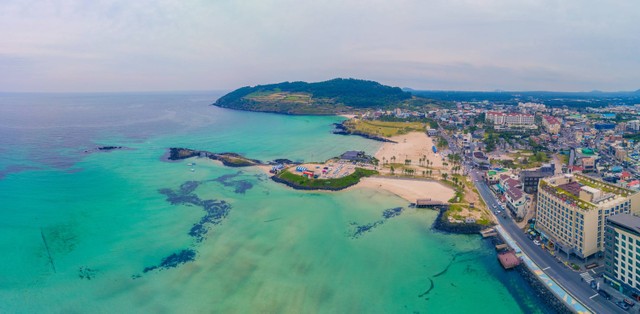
[551, 124]
[576, 169]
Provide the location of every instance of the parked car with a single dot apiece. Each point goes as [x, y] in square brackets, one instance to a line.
[604, 294]
[536, 242]
[622, 305]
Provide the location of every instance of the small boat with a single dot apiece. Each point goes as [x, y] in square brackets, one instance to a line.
[192, 170]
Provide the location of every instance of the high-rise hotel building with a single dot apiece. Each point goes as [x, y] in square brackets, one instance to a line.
[622, 254]
[572, 209]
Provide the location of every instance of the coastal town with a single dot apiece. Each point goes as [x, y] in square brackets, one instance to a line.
[555, 189]
[562, 185]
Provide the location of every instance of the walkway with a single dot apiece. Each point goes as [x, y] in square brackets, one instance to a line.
[560, 292]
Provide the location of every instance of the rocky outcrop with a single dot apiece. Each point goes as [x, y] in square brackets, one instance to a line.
[106, 149]
[227, 159]
[443, 224]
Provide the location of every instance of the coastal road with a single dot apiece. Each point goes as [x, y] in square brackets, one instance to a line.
[567, 278]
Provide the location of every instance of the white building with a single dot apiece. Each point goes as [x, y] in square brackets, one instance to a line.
[572, 209]
[510, 119]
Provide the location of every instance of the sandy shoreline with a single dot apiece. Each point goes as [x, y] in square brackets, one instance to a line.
[412, 146]
[408, 189]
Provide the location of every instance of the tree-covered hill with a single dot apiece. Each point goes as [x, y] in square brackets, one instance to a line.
[328, 97]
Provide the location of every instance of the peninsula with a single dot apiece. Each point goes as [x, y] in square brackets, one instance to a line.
[331, 97]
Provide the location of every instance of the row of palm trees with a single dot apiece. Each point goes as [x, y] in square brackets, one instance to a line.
[422, 161]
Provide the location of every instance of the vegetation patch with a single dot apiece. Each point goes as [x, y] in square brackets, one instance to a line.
[322, 98]
[303, 183]
[384, 128]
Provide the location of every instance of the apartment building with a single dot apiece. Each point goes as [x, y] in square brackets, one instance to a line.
[572, 208]
[530, 178]
[622, 254]
[551, 124]
[510, 119]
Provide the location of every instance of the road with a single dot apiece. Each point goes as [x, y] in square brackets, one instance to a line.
[570, 280]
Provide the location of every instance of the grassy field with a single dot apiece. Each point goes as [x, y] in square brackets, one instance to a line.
[280, 97]
[384, 128]
[459, 207]
[337, 183]
[526, 159]
[564, 158]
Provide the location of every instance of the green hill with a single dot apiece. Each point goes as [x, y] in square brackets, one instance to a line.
[328, 97]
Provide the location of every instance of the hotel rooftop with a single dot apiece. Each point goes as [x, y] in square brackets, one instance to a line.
[584, 192]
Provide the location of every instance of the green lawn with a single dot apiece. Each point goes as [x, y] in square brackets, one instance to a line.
[336, 183]
[384, 128]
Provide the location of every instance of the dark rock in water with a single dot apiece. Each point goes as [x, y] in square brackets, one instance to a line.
[181, 153]
[106, 149]
[215, 210]
[188, 187]
[392, 212]
[227, 159]
[86, 273]
[281, 161]
[359, 230]
[240, 186]
[174, 260]
[431, 286]
[109, 147]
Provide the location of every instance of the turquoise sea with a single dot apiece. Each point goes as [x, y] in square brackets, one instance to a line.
[123, 231]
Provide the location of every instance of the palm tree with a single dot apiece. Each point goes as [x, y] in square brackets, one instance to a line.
[444, 176]
[392, 170]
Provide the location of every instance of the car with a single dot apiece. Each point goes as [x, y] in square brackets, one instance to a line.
[622, 305]
[536, 242]
[604, 294]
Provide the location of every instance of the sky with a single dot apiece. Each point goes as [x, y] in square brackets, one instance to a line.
[167, 45]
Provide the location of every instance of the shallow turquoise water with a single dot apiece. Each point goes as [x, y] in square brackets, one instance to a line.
[104, 220]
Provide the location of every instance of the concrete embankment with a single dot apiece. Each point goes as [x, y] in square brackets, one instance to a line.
[540, 280]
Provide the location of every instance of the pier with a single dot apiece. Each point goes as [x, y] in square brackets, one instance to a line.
[486, 233]
[428, 203]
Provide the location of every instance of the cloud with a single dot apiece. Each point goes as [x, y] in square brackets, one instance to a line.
[438, 44]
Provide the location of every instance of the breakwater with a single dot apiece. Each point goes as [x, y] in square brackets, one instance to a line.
[227, 159]
[541, 291]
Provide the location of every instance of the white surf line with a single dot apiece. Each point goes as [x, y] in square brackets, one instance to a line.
[593, 296]
[546, 268]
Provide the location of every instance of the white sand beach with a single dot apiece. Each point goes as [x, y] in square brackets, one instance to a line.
[413, 146]
[409, 189]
